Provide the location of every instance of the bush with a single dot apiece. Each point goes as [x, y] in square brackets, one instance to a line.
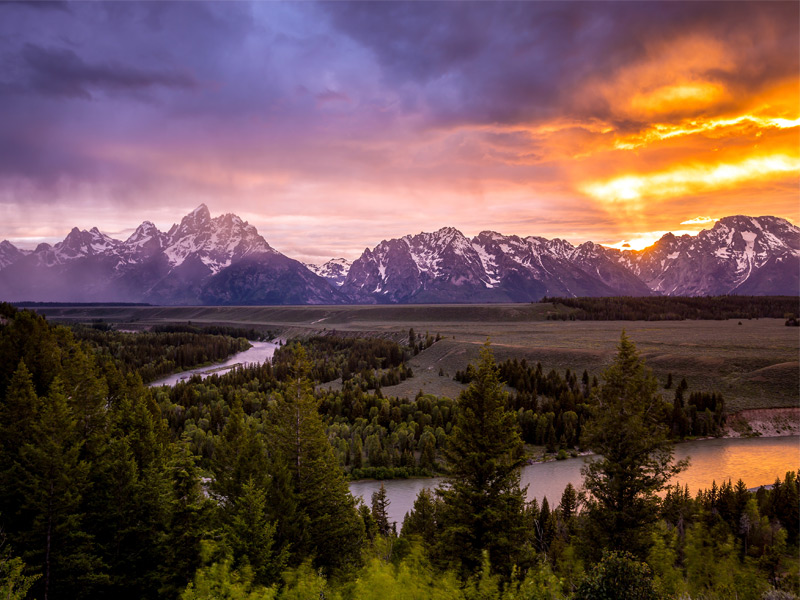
[618, 575]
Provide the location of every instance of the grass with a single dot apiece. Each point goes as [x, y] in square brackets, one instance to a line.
[754, 365]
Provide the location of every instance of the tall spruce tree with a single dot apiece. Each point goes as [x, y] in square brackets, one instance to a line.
[53, 480]
[380, 506]
[483, 503]
[332, 530]
[635, 454]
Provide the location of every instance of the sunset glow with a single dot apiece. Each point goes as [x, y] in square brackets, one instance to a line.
[332, 126]
[694, 179]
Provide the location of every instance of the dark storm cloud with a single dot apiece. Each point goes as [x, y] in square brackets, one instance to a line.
[505, 62]
[61, 72]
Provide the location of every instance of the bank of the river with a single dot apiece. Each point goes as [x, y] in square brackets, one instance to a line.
[764, 422]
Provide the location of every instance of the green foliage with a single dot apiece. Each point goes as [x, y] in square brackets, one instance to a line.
[250, 533]
[332, 530]
[109, 473]
[380, 505]
[482, 500]
[219, 581]
[305, 583]
[164, 350]
[14, 582]
[333, 356]
[618, 575]
[421, 520]
[635, 461]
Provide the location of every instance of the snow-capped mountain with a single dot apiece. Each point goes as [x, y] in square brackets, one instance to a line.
[176, 267]
[9, 253]
[335, 270]
[445, 266]
[739, 255]
[224, 260]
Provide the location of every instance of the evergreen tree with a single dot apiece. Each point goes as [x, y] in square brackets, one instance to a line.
[53, 480]
[569, 503]
[190, 514]
[380, 504]
[19, 411]
[333, 530]
[635, 454]
[421, 520]
[250, 536]
[618, 576]
[482, 501]
[239, 456]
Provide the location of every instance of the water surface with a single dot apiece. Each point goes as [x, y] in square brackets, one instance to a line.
[260, 352]
[757, 461]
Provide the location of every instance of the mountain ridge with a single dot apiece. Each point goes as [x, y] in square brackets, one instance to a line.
[224, 260]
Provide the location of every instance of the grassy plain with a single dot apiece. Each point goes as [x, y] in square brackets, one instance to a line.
[753, 364]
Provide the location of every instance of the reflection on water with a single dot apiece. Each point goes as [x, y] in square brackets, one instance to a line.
[757, 461]
[260, 352]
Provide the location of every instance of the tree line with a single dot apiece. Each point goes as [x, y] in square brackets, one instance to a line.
[165, 349]
[674, 308]
[553, 409]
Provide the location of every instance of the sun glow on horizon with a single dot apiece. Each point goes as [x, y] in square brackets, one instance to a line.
[645, 239]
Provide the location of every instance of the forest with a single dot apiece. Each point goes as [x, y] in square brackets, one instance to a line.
[675, 308]
[164, 349]
[235, 486]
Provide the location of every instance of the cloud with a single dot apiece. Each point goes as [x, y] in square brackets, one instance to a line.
[699, 221]
[61, 72]
[398, 117]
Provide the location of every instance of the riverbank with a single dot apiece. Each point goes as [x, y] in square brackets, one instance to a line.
[763, 422]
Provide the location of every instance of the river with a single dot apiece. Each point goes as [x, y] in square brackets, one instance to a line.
[756, 461]
[258, 353]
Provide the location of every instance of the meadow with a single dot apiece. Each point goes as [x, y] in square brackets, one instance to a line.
[753, 363]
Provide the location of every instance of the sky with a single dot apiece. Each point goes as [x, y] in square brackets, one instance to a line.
[332, 126]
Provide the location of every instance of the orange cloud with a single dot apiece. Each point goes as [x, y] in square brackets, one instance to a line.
[682, 180]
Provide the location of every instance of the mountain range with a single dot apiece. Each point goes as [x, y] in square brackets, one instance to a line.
[224, 260]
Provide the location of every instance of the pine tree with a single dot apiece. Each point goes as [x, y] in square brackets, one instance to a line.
[250, 535]
[53, 479]
[239, 456]
[380, 504]
[569, 503]
[333, 529]
[19, 411]
[635, 454]
[190, 513]
[421, 520]
[482, 500]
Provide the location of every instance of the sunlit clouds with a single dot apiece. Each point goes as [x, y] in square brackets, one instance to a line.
[699, 221]
[332, 126]
[692, 179]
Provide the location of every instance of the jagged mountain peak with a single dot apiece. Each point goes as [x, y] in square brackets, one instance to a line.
[9, 253]
[145, 231]
[200, 213]
[335, 270]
